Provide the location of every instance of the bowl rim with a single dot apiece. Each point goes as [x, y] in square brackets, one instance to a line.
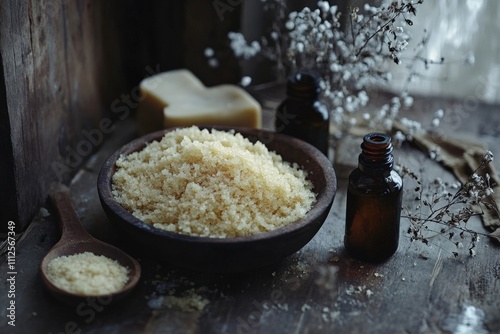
[324, 199]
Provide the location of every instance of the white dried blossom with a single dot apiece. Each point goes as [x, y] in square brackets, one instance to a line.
[324, 6]
[333, 10]
[371, 9]
[401, 45]
[387, 124]
[488, 157]
[240, 46]
[363, 98]
[398, 138]
[245, 81]
[213, 62]
[434, 154]
[299, 47]
[474, 195]
[476, 178]
[209, 52]
[412, 127]
[350, 55]
[396, 101]
[438, 182]
[407, 101]
[439, 113]
[382, 112]
[335, 67]
[346, 76]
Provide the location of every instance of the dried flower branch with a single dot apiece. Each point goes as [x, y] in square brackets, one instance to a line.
[439, 209]
[349, 54]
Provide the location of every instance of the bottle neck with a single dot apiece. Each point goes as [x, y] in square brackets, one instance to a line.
[376, 157]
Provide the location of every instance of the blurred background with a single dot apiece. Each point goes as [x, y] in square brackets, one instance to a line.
[464, 33]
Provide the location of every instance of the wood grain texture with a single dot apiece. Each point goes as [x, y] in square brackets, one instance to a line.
[52, 58]
[67, 66]
[7, 181]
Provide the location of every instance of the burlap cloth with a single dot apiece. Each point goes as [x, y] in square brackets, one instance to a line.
[462, 157]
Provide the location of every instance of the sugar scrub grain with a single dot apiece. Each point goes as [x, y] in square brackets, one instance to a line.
[87, 274]
[211, 183]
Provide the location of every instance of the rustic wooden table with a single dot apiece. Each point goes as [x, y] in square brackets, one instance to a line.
[320, 289]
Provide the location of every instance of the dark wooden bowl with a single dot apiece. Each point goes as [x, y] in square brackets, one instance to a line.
[227, 254]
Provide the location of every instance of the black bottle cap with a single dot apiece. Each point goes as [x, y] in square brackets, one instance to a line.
[303, 85]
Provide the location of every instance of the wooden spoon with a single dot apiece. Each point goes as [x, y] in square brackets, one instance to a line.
[75, 240]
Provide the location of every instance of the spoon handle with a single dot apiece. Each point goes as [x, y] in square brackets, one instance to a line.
[70, 226]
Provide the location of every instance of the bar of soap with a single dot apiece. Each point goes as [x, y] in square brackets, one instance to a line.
[178, 98]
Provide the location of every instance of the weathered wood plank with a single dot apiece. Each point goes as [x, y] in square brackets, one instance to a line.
[7, 180]
[17, 58]
[67, 67]
[49, 95]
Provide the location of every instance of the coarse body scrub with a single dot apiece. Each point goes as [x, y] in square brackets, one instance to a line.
[212, 184]
[87, 274]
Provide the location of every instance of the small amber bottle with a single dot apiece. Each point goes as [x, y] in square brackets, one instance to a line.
[374, 198]
[301, 114]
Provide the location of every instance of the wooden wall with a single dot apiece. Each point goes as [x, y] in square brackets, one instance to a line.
[49, 54]
[62, 64]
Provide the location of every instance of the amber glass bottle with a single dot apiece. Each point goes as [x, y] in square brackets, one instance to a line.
[374, 197]
[301, 114]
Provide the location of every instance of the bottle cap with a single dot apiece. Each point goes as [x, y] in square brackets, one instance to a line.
[304, 85]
